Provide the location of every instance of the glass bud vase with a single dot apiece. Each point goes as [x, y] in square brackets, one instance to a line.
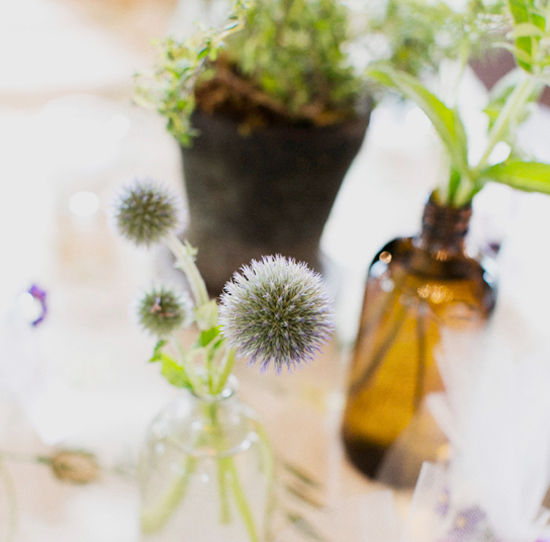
[206, 472]
[415, 287]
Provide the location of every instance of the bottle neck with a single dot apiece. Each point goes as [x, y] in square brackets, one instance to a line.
[228, 394]
[443, 229]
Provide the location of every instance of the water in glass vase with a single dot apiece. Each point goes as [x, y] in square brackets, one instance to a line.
[415, 287]
[206, 473]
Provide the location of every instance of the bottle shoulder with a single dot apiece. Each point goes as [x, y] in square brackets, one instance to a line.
[404, 254]
[401, 266]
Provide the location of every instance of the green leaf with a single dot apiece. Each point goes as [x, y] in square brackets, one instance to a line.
[206, 337]
[524, 59]
[526, 176]
[157, 352]
[174, 373]
[524, 30]
[454, 183]
[524, 14]
[206, 315]
[520, 10]
[203, 53]
[445, 120]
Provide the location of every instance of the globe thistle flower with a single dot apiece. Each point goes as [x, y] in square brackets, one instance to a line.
[161, 311]
[145, 212]
[276, 310]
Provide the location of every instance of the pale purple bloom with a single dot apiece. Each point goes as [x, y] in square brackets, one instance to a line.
[276, 310]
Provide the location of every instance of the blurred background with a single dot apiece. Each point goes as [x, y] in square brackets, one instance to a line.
[69, 134]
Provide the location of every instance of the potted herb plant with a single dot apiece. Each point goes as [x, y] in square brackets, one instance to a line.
[418, 285]
[269, 113]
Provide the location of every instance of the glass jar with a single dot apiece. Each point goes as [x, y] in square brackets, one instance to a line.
[415, 287]
[206, 472]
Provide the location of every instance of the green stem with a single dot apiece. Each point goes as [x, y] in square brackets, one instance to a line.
[188, 369]
[12, 502]
[186, 262]
[515, 102]
[268, 463]
[228, 471]
[518, 98]
[463, 192]
[154, 519]
[240, 499]
[209, 370]
[229, 362]
[225, 515]
[211, 411]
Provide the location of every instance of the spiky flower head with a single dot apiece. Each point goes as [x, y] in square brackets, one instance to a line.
[145, 211]
[161, 311]
[276, 310]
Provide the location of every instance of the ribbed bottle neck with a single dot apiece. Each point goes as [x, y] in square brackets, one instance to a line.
[444, 228]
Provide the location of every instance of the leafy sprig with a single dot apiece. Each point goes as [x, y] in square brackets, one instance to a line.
[180, 66]
[530, 35]
[418, 35]
[287, 57]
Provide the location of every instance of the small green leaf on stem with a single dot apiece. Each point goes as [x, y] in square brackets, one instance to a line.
[157, 352]
[174, 373]
[206, 315]
[445, 120]
[526, 176]
[206, 337]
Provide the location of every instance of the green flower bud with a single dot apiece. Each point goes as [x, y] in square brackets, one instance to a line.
[161, 311]
[145, 212]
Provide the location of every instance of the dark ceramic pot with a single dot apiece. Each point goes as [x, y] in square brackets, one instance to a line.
[269, 192]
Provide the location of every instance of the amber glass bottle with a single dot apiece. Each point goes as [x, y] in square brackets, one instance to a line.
[414, 286]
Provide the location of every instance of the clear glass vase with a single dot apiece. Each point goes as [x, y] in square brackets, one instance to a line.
[416, 286]
[206, 472]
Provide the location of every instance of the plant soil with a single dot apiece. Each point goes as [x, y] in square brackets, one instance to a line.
[230, 94]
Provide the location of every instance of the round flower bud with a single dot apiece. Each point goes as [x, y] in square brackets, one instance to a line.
[276, 310]
[145, 212]
[161, 311]
[74, 466]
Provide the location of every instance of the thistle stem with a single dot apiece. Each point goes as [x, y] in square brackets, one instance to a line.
[186, 262]
[189, 370]
[154, 519]
[228, 363]
[225, 512]
[240, 499]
